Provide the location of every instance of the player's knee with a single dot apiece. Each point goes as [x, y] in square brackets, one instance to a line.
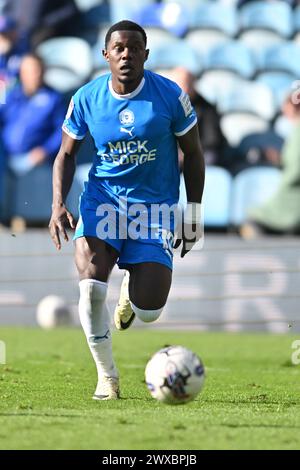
[147, 315]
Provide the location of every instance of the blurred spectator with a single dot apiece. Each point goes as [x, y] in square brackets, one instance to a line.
[12, 48]
[30, 121]
[281, 213]
[42, 19]
[264, 148]
[213, 142]
[257, 149]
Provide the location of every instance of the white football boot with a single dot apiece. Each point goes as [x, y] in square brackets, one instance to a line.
[107, 389]
[124, 315]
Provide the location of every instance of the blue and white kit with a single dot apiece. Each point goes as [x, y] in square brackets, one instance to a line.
[135, 160]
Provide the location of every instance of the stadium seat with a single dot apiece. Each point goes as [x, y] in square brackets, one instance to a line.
[231, 56]
[99, 62]
[283, 126]
[68, 62]
[124, 9]
[217, 197]
[172, 54]
[297, 39]
[251, 150]
[235, 126]
[85, 5]
[30, 195]
[252, 187]
[203, 40]
[214, 84]
[213, 15]
[157, 36]
[283, 57]
[279, 83]
[170, 16]
[249, 97]
[274, 16]
[216, 203]
[296, 16]
[257, 41]
[190, 5]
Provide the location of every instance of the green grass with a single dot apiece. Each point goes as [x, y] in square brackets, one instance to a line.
[251, 398]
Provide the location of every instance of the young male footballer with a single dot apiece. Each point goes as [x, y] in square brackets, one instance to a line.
[137, 119]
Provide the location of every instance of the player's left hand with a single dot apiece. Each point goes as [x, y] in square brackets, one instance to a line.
[60, 219]
[191, 234]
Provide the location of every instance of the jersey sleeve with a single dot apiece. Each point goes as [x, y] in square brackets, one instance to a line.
[185, 115]
[74, 124]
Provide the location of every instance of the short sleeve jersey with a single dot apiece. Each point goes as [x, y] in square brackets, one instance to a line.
[136, 152]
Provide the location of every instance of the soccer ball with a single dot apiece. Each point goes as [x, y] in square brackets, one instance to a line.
[53, 311]
[174, 375]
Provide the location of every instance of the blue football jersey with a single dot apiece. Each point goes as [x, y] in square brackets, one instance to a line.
[136, 153]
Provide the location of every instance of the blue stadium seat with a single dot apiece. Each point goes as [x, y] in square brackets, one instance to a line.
[296, 16]
[94, 12]
[283, 57]
[157, 36]
[204, 40]
[172, 54]
[85, 5]
[280, 84]
[252, 147]
[68, 62]
[275, 16]
[283, 126]
[30, 195]
[214, 15]
[236, 126]
[250, 97]
[252, 187]
[170, 16]
[99, 62]
[257, 41]
[217, 197]
[214, 84]
[233, 56]
[125, 9]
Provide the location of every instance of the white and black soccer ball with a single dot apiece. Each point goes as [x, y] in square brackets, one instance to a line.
[52, 312]
[174, 375]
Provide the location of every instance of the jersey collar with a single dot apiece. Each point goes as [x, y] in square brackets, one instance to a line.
[128, 96]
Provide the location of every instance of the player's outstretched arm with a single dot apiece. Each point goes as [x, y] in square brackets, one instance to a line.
[194, 175]
[63, 173]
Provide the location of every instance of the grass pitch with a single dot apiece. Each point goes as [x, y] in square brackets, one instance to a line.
[251, 398]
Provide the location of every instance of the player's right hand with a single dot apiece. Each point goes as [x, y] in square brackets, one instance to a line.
[61, 218]
[190, 234]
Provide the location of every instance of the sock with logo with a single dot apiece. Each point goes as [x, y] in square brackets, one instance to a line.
[95, 321]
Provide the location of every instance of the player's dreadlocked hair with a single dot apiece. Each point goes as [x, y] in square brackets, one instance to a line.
[125, 25]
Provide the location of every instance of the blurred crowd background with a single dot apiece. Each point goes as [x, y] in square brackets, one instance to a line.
[238, 60]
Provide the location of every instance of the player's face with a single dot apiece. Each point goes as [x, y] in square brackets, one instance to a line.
[126, 54]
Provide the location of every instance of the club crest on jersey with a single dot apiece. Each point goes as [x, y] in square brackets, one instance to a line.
[126, 117]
